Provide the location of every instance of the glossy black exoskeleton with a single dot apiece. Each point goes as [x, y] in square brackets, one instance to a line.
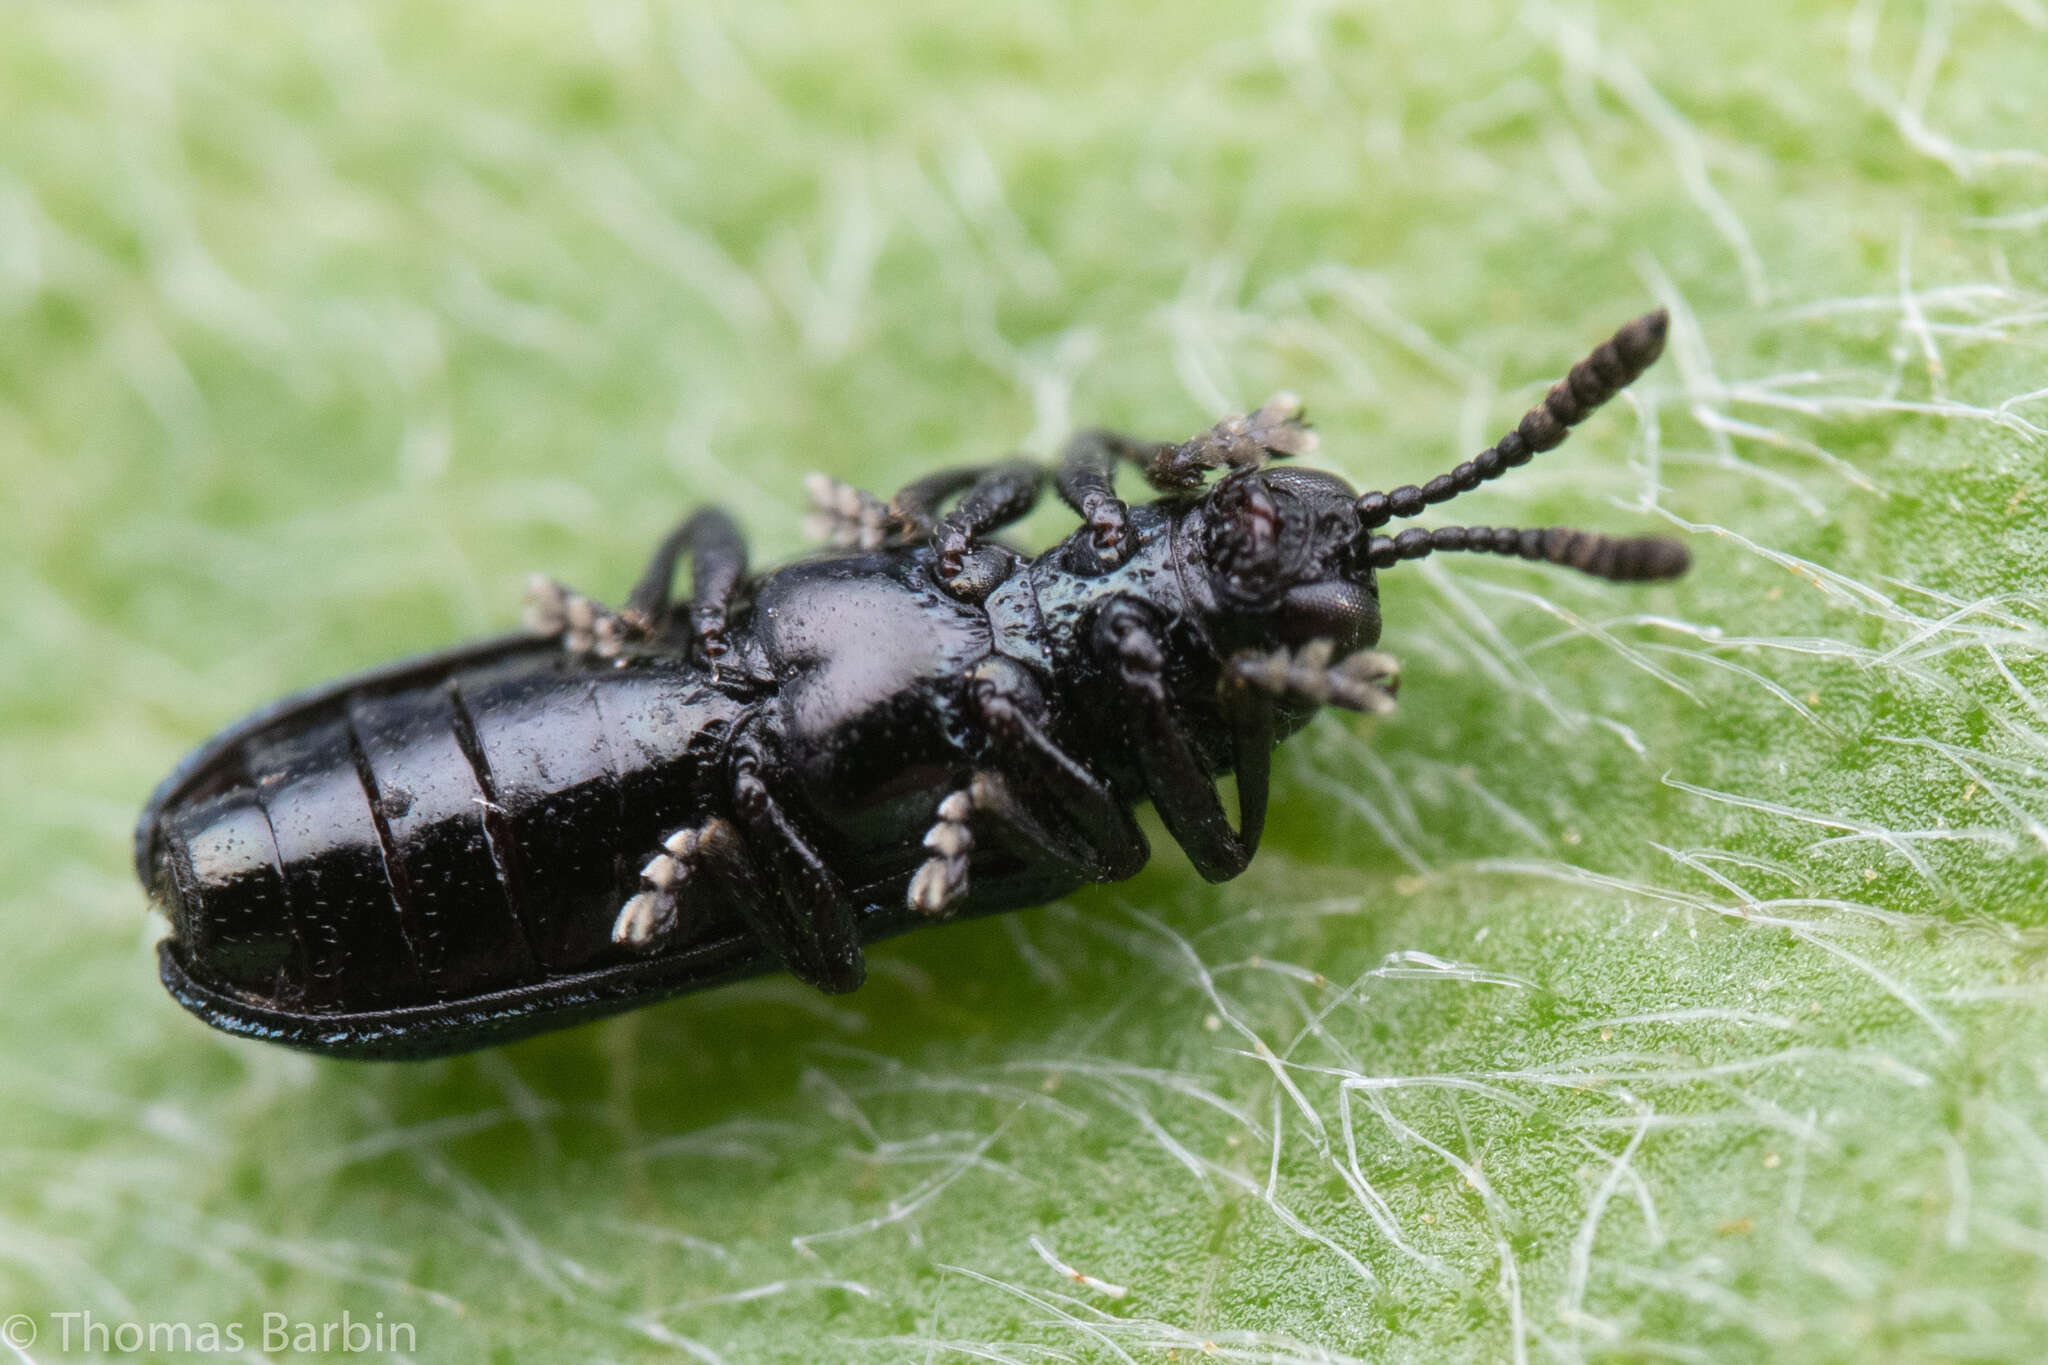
[617, 807]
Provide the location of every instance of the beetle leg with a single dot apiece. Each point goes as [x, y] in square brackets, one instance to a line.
[942, 879]
[1050, 805]
[1086, 481]
[718, 569]
[999, 495]
[1366, 681]
[1128, 641]
[849, 518]
[1087, 469]
[803, 913]
[993, 496]
[584, 625]
[1054, 802]
[652, 914]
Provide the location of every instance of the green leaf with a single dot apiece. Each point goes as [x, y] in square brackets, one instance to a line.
[1662, 980]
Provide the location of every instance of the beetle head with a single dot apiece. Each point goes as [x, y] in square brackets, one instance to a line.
[1290, 556]
[1280, 546]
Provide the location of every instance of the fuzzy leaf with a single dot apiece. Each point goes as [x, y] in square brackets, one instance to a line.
[1662, 979]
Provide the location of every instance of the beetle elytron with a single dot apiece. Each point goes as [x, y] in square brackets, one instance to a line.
[619, 806]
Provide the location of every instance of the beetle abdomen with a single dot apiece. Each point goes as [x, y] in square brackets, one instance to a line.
[386, 848]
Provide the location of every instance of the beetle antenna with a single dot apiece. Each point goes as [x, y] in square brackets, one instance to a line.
[1619, 559]
[1615, 364]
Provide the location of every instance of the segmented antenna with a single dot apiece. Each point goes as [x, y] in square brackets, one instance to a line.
[1621, 559]
[1615, 364]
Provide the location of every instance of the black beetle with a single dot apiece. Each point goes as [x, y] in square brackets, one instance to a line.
[616, 807]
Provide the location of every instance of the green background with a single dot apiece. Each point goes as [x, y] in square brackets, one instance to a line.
[1662, 981]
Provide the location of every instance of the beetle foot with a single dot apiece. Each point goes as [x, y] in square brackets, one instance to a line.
[845, 517]
[1275, 432]
[586, 627]
[942, 879]
[652, 914]
[1365, 681]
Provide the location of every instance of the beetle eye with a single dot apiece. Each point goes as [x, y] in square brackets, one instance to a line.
[1244, 537]
[1331, 609]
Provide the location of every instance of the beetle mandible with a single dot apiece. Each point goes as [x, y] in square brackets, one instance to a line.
[618, 806]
